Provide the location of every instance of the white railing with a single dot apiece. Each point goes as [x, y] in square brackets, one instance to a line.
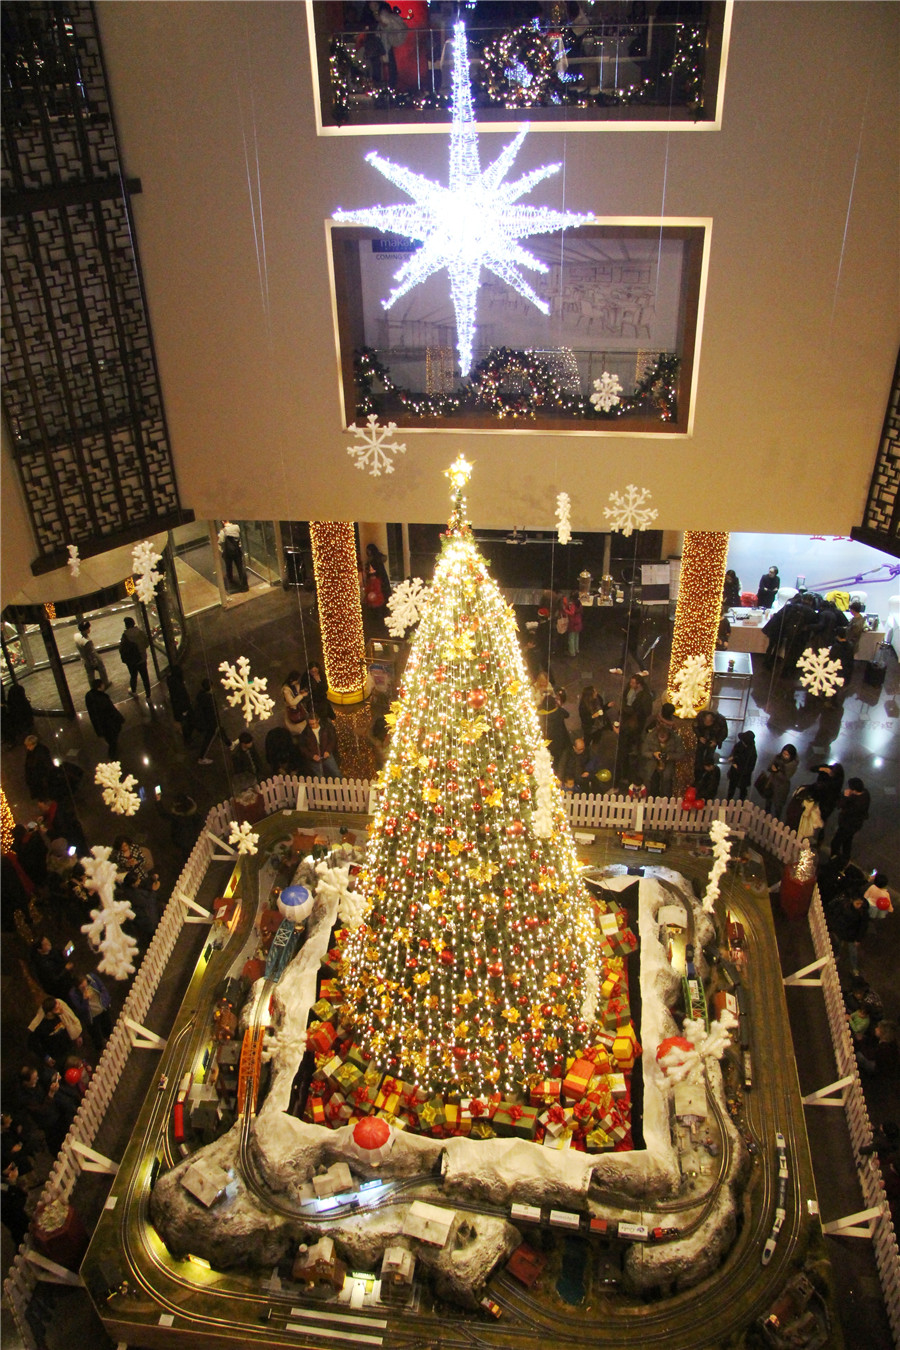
[353, 795]
[884, 1238]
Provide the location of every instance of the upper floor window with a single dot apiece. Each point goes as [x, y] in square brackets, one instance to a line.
[608, 61]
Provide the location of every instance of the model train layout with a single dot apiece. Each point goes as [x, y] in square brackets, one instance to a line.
[268, 1169]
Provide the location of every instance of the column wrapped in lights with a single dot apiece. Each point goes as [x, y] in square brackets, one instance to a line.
[699, 607]
[473, 968]
[7, 824]
[340, 612]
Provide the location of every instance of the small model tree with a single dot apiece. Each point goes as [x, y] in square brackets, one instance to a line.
[478, 953]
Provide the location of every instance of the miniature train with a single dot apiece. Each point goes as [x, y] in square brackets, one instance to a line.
[586, 1223]
[781, 1200]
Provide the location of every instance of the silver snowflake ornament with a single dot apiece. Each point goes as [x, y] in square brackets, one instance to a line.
[248, 692]
[406, 606]
[629, 511]
[691, 684]
[606, 392]
[474, 222]
[820, 675]
[376, 447]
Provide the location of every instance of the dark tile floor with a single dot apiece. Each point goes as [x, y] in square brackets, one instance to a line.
[278, 631]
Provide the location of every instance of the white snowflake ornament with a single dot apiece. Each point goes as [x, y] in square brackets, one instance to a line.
[74, 563]
[143, 565]
[606, 392]
[242, 837]
[820, 674]
[691, 685]
[117, 791]
[718, 833]
[248, 692]
[406, 606]
[104, 932]
[563, 506]
[630, 511]
[376, 447]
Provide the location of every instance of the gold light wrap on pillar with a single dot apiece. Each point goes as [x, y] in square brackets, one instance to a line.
[7, 824]
[699, 607]
[340, 611]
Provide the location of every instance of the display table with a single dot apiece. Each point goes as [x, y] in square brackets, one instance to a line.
[747, 634]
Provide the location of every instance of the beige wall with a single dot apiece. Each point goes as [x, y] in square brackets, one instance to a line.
[801, 325]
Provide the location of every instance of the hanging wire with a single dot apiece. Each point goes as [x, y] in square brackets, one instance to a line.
[840, 266]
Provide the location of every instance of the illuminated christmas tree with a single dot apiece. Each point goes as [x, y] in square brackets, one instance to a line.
[478, 958]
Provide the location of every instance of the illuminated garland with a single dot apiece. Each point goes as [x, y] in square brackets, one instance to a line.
[699, 606]
[337, 587]
[471, 968]
[520, 70]
[513, 383]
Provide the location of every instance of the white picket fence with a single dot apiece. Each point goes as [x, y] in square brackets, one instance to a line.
[353, 796]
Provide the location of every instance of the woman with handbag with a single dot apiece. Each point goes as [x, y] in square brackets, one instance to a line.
[295, 711]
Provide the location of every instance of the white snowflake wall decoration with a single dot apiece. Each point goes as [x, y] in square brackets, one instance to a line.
[718, 833]
[248, 692]
[117, 791]
[563, 506]
[691, 685]
[376, 447]
[242, 837]
[74, 563]
[606, 392]
[630, 511]
[406, 606]
[105, 932]
[820, 675]
[143, 564]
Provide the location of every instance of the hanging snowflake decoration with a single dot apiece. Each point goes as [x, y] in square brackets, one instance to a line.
[630, 512]
[820, 674]
[607, 390]
[74, 563]
[242, 837]
[718, 833]
[563, 531]
[691, 686]
[248, 691]
[543, 798]
[146, 578]
[117, 791]
[336, 884]
[376, 447]
[406, 606]
[105, 932]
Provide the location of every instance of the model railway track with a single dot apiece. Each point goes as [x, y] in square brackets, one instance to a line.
[730, 1297]
[249, 1070]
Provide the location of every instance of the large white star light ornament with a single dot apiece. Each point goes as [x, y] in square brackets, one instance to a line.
[473, 222]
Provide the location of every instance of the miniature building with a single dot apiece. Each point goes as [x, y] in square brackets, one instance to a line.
[204, 1110]
[526, 1265]
[224, 1021]
[371, 1141]
[429, 1223]
[690, 1101]
[398, 1266]
[207, 1182]
[336, 1180]
[318, 1265]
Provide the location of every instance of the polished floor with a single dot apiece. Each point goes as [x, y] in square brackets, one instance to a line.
[277, 631]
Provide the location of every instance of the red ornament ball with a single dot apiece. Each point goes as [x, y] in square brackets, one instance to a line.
[447, 956]
[477, 698]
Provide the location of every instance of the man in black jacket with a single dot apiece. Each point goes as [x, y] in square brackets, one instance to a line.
[105, 717]
[853, 811]
[133, 648]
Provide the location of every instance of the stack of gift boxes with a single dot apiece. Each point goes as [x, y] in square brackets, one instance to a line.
[586, 1105]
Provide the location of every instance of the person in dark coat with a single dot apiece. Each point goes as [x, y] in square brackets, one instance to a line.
[281, 755]
[731, 591]
[18, 714]
[52, 968]
[768, 588]
[180, 701]
[710, 730]
[133, 647]
[796, 642]
[38, 766]
[183, 823]
[829, 785]
[246, 763]
[318, 745]
[49, 1039]
[853, 811]
[13, 1201]
[842, 651]
[316, 686]
[848, 919]
[743, 762]
[32, 1101]
[105, 717]
[59, 820]
[637, 706]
